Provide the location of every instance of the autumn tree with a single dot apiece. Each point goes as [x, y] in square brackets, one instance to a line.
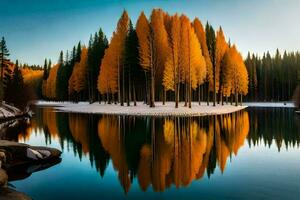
[199, 30]
[106, 83]
[113, 66]
[121, 34]
[235, 74]
[160, 50]
[145, 43]
[77, 81]
[49, 87]
[172, 71]
[191, 60]
[211, 45]
[221, 47]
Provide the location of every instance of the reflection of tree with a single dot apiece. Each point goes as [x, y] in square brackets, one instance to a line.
[109, 130]
[79, 129]
[162, 152]
[75, 132]
[278, 125]
[188, 146]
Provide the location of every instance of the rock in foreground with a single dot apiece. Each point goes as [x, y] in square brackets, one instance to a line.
[10, 194]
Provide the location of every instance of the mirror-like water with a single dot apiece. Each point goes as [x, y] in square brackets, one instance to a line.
[251, 154]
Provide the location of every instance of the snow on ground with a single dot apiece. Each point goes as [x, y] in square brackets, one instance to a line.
[270, 104]
[143, 110]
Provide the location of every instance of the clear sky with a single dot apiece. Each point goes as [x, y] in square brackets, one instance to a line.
[38, 29]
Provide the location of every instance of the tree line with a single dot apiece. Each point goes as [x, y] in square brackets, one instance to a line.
[19, 83]
[273, 78]
[74, 77]
[163, 58]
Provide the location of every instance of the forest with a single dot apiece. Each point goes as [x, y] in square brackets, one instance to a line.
[162, 58]
[19, 83]
[273, 78]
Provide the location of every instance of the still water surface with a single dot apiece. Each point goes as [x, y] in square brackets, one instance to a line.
[251, 154]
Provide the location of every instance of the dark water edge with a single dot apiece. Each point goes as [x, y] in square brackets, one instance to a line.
[251, 154]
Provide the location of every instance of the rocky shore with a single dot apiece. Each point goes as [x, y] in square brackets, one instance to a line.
[9, 112]
[18, 161]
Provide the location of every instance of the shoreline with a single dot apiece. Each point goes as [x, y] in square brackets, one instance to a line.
[142, 109]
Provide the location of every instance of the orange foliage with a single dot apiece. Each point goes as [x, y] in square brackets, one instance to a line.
[199, 30]
[49, 85]
[221, 48]
[77, 81]
[113, 60]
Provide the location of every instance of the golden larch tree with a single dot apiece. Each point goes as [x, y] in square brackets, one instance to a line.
[171, 78]
[221, 47]
[77, 81]
[112, 66]
[160, 47]
[200, 32]
[50, 85]
[191, 59]
[235, 74]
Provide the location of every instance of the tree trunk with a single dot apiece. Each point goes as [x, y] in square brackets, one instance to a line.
[202, 94]
[199, 95]
[241, 99]
[152, 95]
[119, 84]
[147, 96]
[185, 94]
[164, 96]
[208, 93]
[107, 98]
[129, 88]
[236, 98]
[190, 94]
[221, 97]
[177, 95]
[123, 87]
[215, 94]
[134, 95]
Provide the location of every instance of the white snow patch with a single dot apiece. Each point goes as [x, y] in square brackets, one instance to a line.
[270, 104]
[144, 110]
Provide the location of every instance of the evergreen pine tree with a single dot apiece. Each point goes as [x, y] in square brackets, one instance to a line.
[211, 45]
[46, 72]
[131, 64]
[4, 53]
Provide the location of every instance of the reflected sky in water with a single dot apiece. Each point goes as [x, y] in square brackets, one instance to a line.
[251, 154]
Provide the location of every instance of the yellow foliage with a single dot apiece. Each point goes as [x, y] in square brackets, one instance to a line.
[49, 85]
[221, 48]
[113, 59]
[199, 30]
[172, 71]
[143, 33]
[77, 80]
[191, 60]
[235, 75]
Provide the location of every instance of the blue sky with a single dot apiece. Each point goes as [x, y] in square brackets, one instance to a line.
[38, 29]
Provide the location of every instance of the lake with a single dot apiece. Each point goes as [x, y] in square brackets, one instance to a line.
[250, 154]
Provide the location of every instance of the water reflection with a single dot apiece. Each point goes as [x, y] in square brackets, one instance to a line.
[160, 152]
[279, 126]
